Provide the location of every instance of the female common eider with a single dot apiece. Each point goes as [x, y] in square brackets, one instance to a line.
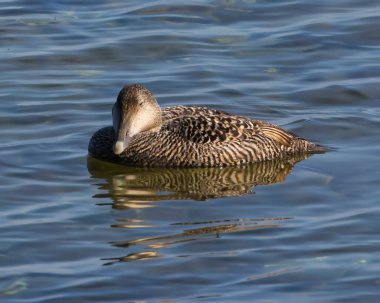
[145, 135]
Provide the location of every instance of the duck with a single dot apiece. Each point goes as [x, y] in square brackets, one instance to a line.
[145, 135]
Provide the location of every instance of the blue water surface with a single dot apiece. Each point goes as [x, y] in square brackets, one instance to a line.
[74, 229]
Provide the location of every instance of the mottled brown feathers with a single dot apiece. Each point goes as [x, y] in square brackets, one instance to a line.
[200, 128]
[198, 137]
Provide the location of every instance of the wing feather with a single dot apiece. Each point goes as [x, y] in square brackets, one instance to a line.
[203, 125]
[277, 134]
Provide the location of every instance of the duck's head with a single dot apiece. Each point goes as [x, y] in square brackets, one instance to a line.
[135, 110]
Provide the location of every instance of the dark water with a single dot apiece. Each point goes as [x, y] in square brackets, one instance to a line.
[74, 229]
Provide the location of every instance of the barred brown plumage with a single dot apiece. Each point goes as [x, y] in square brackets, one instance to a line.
[143, 134]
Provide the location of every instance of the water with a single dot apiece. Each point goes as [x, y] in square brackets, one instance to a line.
[77, 230]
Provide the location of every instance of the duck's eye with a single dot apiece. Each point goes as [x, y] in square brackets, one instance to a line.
[141, 103]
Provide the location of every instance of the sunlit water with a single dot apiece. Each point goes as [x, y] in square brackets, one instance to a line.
[74, 229]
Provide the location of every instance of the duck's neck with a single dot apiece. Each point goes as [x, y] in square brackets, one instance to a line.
[156, 122]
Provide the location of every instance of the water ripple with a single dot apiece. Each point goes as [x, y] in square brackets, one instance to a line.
[304, 232]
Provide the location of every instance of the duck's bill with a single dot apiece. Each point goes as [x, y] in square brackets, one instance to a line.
[121, 145]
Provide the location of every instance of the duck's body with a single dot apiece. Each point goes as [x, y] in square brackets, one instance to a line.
[184, 136]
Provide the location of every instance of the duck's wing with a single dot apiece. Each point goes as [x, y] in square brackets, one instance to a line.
[170, 113]
[203, 125]
[277, 134]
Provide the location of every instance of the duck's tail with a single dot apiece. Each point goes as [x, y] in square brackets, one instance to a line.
[315, 148]
[302, 145]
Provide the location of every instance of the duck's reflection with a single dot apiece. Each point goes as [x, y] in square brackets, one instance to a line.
[130, 187]
[209, 231]
[137, 188]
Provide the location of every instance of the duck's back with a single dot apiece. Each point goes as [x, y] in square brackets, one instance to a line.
[202, 137]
